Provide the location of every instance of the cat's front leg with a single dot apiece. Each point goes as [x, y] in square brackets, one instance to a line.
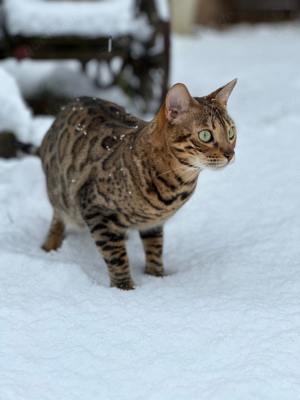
[114, 253]
[153, 245]
[110, 241]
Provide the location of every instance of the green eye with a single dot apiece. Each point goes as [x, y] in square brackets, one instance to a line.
[205, 136]
[231, 133]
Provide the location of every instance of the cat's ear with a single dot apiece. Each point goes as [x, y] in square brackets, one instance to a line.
[178, 102]
[221, 95]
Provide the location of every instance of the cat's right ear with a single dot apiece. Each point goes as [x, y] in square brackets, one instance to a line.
[178, 102]
[221, 96]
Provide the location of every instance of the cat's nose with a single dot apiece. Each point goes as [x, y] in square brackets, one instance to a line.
[229, 155]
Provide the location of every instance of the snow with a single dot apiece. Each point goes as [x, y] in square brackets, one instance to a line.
[67, 18]
[66, 79]
[163, 9]
[224, 323]
[14, 114]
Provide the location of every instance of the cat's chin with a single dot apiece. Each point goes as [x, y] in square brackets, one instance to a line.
[217, 167]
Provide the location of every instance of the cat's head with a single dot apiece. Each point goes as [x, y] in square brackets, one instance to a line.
[200, 131]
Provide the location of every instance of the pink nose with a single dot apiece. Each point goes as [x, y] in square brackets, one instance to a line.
[229, 156]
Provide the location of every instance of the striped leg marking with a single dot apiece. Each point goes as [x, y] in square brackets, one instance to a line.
[153, 244]
[110, 240]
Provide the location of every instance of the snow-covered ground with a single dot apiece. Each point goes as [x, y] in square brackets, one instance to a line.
[224, 324]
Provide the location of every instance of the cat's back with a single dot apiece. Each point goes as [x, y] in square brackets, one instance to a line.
[82, 148]
[85, 122]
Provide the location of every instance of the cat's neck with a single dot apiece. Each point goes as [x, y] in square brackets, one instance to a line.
[154, 145]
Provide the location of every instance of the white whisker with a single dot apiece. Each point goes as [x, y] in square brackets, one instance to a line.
[189, 169]
[170, 170]
[192, 176]
[174, 169]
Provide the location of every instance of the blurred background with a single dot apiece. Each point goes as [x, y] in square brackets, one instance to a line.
[225, 321]
[121, 50]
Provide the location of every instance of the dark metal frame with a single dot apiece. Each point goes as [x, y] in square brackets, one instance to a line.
[85, 49]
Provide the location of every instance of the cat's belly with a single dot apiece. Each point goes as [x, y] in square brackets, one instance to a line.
[149, 225]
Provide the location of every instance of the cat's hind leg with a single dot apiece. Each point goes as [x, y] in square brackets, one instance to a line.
[55, 234]
[153, 244]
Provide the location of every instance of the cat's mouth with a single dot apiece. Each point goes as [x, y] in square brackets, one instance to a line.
[218, 165]
[214, 164]
[232, 160]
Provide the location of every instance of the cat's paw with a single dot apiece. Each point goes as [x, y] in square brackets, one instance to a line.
[154, 272]
[124, 286]
[48, 246]
[52, 243]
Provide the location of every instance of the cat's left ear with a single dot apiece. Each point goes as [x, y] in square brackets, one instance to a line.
[178, 102]
[222, 95]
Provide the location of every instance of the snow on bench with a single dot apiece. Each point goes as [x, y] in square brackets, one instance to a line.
[104, 18]
[15, 116]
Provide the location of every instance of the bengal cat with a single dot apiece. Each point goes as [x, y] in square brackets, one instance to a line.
[110, 171]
